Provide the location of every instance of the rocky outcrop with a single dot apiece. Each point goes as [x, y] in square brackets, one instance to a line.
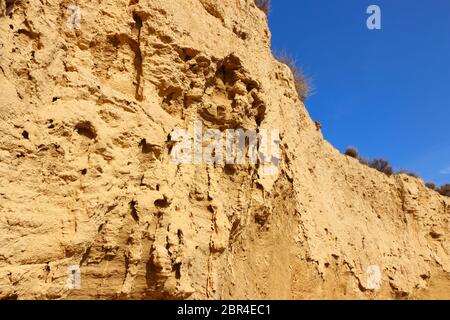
[87, 180]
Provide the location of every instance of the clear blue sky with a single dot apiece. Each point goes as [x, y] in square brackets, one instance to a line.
[386, 92]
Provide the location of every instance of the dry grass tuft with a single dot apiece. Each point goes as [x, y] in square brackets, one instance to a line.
[302, 84]
[352, 152]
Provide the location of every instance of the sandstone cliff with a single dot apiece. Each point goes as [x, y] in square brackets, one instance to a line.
[86, 178]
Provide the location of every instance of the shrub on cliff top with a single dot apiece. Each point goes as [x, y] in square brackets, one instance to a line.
[264, 5]
[378, 164]
[430, 185]
[444, 190]
[382, 166]
[352, 152]
[301, 82]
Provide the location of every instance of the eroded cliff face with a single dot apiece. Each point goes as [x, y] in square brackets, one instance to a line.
[87, 180]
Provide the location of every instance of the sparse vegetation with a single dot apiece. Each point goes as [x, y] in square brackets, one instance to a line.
[384, 167]
[444, 190]
[430, 185]
[264, 5]
[302, 84]
[378, 164]
[363, 161]
[318, 125]
[352, 152]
